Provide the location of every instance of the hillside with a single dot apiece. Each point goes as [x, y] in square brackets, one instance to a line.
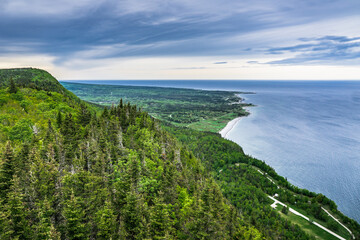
[66, 173]
[246, 182]
[32, 78]
[70, 170]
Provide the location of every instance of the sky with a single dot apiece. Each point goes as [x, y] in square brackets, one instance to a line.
[183, 39]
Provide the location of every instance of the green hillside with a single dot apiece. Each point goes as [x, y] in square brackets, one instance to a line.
[72, 170]
[32, 78]
[66, 173]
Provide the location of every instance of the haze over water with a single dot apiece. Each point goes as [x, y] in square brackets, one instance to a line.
[309, 131]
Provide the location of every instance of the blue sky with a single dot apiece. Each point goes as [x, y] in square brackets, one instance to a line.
[187, 39]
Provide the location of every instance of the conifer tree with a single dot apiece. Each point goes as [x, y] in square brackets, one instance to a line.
[84, 116]
[49, 132]
[12, 86]
[105, 222]
[54, 234]
[43, 176]
[74, 216]
[105, 113]
[69, 132]
[134, 224]
[161, 224]
[5, 229]
[121, 104]
[43, 228]
[6, 170]
[133, 168]
[22, 159]
[59, 119]
[19, 226]
[113, 111]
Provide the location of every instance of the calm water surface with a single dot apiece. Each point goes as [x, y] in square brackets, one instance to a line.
[309, 131]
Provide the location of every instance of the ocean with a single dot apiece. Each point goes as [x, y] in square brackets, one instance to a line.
[308, 131]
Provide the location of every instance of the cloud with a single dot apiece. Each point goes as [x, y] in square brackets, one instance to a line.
[43, 9]
[322, 50]
[266, 31]
[331, 38]
[63, 27]
[190, 68]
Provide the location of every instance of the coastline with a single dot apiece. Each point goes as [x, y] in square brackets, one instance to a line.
[229, 126]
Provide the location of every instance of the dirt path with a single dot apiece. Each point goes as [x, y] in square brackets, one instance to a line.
[339, 222]
[303, 216]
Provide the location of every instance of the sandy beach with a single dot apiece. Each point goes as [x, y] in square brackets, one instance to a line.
[229, 126]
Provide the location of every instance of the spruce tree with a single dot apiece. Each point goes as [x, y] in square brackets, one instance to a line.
[134, 225]
[161, 224]
[59, 119]
[19, 225]
[22, 159]
[5, 229]
[54, 234]
[105, 113]
[6, 170]
[74, 216]
[84, 116]
[105, 222]
[121, 105]
[69, 132]
[12, 87]
[43, 227]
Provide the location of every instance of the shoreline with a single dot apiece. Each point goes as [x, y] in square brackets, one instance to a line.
[229, 126]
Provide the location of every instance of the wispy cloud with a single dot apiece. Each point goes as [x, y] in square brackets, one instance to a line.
[323, 50]
[254, 31]
[190, 68]
[64, 27]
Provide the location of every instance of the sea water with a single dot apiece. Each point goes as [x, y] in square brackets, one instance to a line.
[308, 131]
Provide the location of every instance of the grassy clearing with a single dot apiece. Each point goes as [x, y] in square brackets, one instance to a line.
[308, 227]
[340, 230]
[213, 124]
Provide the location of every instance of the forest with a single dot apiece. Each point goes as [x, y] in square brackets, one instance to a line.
[70, 169]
